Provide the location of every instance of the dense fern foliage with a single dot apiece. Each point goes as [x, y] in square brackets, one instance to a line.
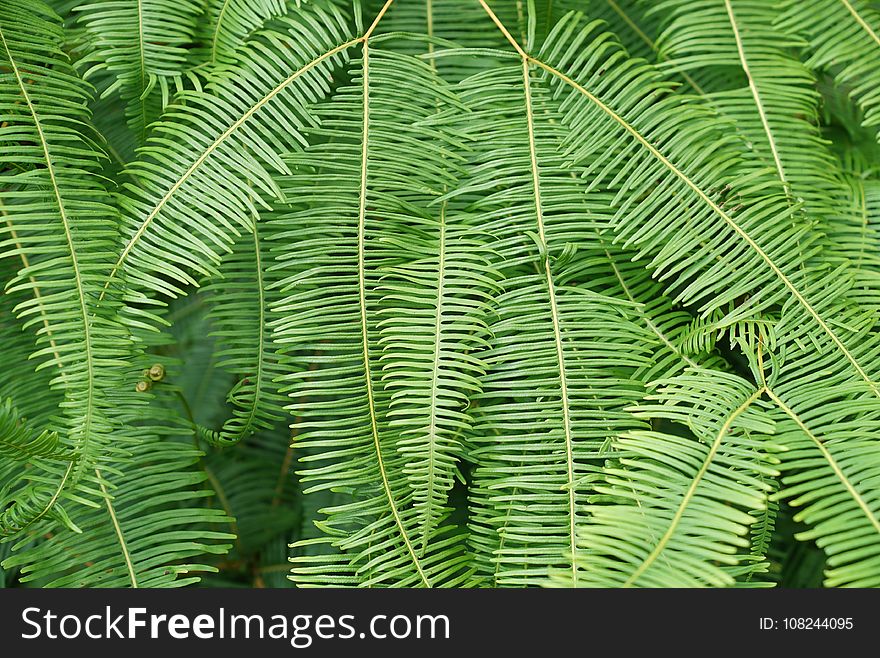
[442, 293]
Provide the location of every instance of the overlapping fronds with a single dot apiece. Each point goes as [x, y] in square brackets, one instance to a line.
[451, 293]
[844, 40]
[670, 330]
[62, 233]
[229, 22]
[548, 405]
[543, 423]
[434, 323]
[143, 45]
[241, 314]
[678, 508]
[143, 534]
[371, 186]
[710, 217]
[829, 475]
[777, 109]
[21, 442]
[830, 427]
[203, 172]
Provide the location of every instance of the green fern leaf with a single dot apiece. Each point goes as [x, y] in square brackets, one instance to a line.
[142, 43]
[681, 507]
[63, 232]
[337, 269]
[844, 39]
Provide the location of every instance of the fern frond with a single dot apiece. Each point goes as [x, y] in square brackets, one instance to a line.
[555, 390]
[830, 471]
[680, 180]
[433, 305]
[374, 176]
[143, 45]
[229, 22]
[190, 198]
[762, 533]
[144, 532]
[241, 298]
[35, 399]
[844, 39]
[690, 498]
[20, 441]
[62, 230]
[547, 404]
[777, 110]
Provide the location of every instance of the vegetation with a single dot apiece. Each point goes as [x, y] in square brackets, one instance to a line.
[447, 293]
